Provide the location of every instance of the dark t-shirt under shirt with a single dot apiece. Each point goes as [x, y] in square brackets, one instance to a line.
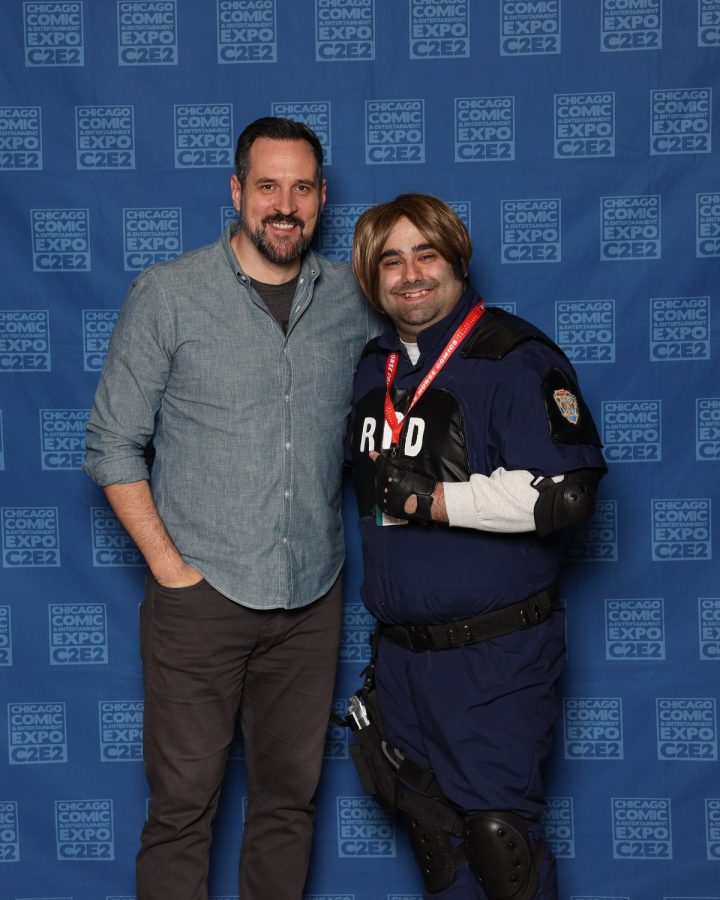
[278, 298]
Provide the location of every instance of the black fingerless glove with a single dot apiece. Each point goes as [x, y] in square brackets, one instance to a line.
[395, 482]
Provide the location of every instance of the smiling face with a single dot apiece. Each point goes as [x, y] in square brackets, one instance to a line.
[416, 285]
[279, 205]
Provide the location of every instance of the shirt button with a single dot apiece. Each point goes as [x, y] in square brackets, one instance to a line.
[287, 446]
[287, 493]
[287, 398]
[284, 540]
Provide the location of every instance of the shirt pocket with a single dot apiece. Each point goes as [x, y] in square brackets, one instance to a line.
[334, 373]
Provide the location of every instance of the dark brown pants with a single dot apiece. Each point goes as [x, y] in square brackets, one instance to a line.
[204, 659]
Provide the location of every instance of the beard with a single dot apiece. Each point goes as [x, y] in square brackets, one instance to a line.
[278, 251]
[409, 313]
[412, 317]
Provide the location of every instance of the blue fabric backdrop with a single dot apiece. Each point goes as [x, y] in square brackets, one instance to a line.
[575, 138]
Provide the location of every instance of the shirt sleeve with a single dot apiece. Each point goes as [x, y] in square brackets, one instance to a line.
[502, 501]
[131, 387]
[535, 428]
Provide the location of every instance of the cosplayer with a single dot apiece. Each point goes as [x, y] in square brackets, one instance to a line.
[472, 447]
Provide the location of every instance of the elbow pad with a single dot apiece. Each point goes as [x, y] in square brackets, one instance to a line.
[563, 503]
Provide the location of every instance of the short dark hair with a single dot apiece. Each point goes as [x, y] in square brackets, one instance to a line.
[430, 215]
[276, 129]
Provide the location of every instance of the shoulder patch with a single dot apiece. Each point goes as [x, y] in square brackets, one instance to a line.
[568, 415]
[499, 332]
[567, 404]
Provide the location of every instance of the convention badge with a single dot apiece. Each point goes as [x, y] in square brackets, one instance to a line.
[383, 518]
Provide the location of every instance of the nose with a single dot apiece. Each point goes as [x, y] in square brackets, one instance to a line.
[285, 201]
[411, 270]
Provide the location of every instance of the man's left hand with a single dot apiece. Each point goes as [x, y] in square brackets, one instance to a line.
[406, 492]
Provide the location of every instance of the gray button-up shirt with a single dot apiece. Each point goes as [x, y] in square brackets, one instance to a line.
[247, 423]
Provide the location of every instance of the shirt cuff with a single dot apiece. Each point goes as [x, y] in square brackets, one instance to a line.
[460, 504]
[116, 471]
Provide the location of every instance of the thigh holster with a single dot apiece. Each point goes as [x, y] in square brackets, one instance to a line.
[434, 854]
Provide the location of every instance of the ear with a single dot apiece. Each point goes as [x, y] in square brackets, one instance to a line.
[323, 193]
[235, 191]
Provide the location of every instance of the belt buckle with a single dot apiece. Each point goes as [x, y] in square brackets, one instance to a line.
[419, 637]
[530, 614]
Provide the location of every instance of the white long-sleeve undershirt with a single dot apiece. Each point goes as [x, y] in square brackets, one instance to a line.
[502, 501]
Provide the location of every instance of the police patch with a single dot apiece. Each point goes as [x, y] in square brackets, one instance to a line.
[568, 405]
[569, 418]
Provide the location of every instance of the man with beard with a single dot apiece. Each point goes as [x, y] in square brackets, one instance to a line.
[472, 443]
[235, 362]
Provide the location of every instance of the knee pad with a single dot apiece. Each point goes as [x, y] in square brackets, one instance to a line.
[501, 856]
[434, 854]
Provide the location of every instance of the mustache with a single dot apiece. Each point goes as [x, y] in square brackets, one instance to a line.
[426, 284]
[280, 219]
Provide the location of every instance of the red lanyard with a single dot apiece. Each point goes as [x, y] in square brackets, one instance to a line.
[391, 370]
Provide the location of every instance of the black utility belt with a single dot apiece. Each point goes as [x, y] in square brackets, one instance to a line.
[461, 633]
